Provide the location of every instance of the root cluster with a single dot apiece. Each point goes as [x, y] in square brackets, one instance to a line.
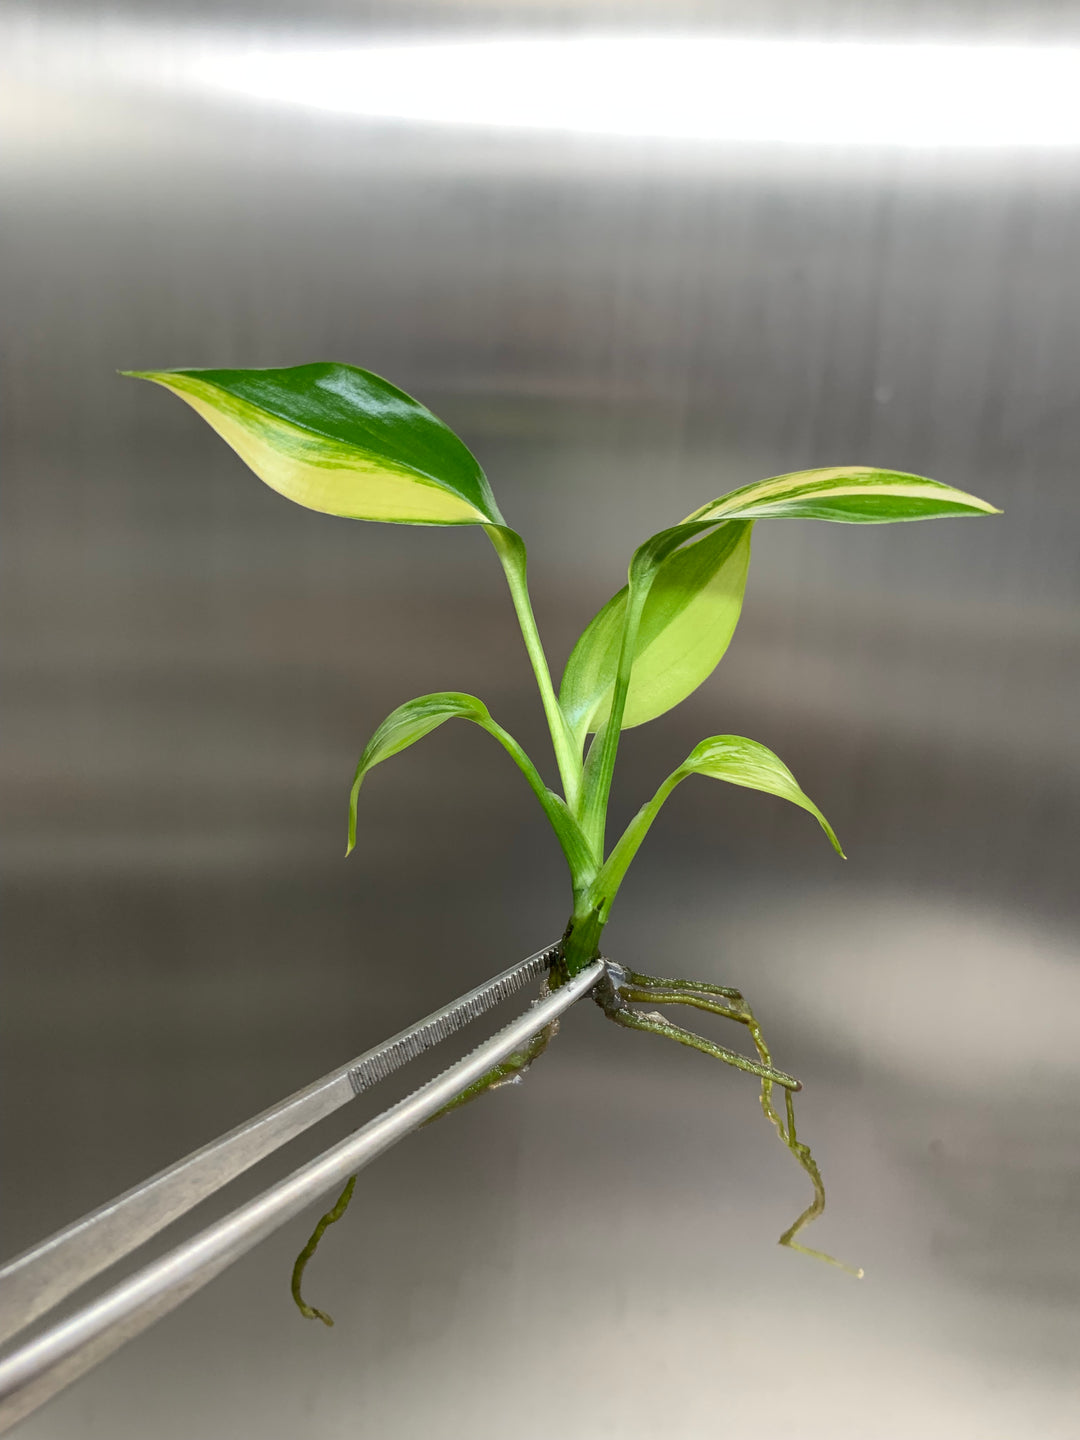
[618, 994]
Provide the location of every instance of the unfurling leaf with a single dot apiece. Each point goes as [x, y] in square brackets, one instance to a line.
[416, 718]
[340, 440]
[689, 618]
[722, 757]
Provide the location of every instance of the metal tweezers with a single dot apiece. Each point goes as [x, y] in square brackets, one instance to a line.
[36, 1281]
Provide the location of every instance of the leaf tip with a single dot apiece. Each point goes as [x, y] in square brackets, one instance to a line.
[981, 506]
[830, 833]
[156, 377]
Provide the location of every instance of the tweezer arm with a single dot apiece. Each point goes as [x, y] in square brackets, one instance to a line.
[40, 1278]
[36, 1372]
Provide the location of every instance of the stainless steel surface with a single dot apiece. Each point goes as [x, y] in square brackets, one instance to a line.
[620, 329]
[35, 1372]
[41, 1277]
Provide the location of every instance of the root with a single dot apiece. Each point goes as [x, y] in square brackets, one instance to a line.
[655, 1024]
[310, 1312]
[622, 986]
[697, 987]
[802, 1154]
[508, 1072]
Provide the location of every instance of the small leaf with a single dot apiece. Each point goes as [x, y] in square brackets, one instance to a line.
[411, 722]
[416, 718]
[404, 727]
[745, 762]
[722, 757]
[851, 494]
[340, 440]
[689, 618]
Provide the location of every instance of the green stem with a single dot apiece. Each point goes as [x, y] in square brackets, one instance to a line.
[594, 821]
[606, 885]
[582, 863]
[510, 549]
[579, 946]
[644, 566]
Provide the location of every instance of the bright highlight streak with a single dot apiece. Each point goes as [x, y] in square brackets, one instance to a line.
[789, 92]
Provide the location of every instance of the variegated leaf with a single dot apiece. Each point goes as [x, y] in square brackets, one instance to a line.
[747, 762]
[340, 440]
[416, 718]
[722, 757]
[689, 618]
[852, 494]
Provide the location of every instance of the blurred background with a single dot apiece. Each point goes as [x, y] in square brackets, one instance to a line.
[622, 325]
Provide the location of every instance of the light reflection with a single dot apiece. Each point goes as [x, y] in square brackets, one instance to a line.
[760, 91]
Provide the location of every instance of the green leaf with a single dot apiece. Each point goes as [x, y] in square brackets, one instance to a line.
[416, 718]
[686, 626]
[745, 762]
[340, 440]
[722, 757]
[408, 724]
[851, 494]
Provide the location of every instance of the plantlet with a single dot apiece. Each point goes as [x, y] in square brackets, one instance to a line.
[343, 441]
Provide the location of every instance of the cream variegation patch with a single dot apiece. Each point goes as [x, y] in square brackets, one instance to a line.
[319, 473]
[838, 483]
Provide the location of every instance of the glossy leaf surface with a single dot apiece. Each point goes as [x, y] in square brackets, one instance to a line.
[340, 440]
[686, 626]
[850, 494]
[416, 718]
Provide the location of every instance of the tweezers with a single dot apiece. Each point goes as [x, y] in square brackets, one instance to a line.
[42, 1277]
